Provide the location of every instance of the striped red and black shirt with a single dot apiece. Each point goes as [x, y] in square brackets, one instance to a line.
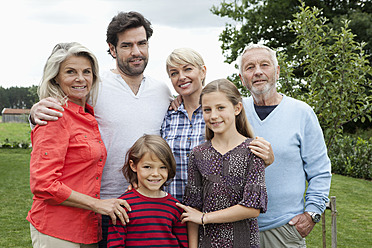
[153, 222]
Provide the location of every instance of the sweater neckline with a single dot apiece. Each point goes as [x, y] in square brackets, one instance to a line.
[272, 113]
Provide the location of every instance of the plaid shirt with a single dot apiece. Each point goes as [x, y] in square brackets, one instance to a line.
[182, 136]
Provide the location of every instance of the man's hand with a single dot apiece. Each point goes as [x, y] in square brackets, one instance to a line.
[303, 223]
[262, 148]
[43, 111]
[176, 103]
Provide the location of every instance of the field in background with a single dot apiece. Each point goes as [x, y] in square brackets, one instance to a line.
[15, 133]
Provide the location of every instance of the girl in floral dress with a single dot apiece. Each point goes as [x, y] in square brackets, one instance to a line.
[226, 188]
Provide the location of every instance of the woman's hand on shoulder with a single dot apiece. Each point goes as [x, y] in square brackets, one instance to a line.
[114, 209]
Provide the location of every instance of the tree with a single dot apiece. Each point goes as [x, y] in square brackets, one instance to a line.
[336, 72]
[4, 101]
[32, 95]
[18, 97]
[266, 21]
[322, 62]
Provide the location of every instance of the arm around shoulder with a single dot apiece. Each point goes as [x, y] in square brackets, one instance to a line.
[42, 111]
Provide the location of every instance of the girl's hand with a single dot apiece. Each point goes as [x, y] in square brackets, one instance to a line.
[190, 214]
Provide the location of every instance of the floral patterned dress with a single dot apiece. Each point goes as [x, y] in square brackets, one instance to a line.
[216, 182]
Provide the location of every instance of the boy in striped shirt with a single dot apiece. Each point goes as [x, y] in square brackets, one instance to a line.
[154, 219]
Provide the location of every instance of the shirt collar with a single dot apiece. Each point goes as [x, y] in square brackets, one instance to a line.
[182, 109]
[78, 109]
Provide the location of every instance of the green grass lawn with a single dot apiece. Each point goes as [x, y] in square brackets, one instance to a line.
[354, 219]
[15, 132]
[15, 198]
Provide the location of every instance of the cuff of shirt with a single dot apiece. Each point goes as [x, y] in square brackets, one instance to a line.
[313, 208]
[62, 195]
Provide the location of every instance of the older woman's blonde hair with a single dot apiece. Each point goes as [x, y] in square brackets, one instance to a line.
[184, 56]
[48, 86]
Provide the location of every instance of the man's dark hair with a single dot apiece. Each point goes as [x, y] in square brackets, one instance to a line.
[124, 21]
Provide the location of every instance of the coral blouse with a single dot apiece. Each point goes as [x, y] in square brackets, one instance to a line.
[67, 155]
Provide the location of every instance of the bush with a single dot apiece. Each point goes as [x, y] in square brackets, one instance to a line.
[5, 144]
[352, 157]
[14, 144]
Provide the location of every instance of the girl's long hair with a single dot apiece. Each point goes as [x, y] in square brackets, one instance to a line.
[232, 93]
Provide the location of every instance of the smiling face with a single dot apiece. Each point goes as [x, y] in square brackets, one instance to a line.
[187, 79]
[219, 113]
[258, 72]
[151, 174]
[75, 78]
[131, 52]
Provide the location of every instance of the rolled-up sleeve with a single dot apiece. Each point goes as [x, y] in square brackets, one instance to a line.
[50, 145]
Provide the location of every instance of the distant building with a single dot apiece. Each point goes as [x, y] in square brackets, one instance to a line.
[15, 115]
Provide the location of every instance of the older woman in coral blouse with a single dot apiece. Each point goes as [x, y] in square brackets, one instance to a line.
[68, 157]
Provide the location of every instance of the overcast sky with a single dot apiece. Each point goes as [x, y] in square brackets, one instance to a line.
[30, 29]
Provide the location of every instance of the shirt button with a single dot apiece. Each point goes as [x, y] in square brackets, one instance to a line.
[100, 142]
[85, 136]
[100, 159]
[97, 178]
[46, 153]
[96, 195]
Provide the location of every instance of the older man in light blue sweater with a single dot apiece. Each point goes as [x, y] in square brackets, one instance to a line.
[293, 130]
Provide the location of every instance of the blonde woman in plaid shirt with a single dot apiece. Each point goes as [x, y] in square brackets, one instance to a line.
[184, 128]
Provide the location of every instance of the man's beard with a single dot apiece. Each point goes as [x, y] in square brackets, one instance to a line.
[129, 70]
[270, 84]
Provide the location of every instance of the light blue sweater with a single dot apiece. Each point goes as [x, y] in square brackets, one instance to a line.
[300, 153]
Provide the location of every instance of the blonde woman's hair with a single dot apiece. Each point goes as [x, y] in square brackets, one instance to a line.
[233, 95]
[184, 56]
[155, 145]
[48, 86]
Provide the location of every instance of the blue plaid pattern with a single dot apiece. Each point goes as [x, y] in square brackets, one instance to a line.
[182, 136]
